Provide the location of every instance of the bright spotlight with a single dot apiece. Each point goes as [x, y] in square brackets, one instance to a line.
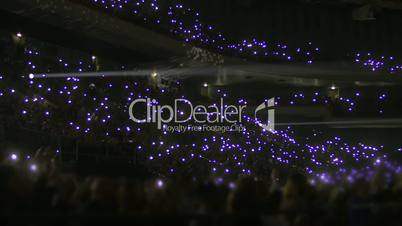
[93, 57]
[159, 183]
[33, 167]
[154, 74]
[333, 87]
[205, 85]
[31, 76]
[19, 35]
[14, 157]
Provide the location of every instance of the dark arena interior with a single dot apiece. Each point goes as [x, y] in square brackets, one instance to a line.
[202, 112]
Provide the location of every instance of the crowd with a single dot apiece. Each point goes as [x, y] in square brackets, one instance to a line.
[280, 198]
[315, 178]
[185, 22]
[95, 110]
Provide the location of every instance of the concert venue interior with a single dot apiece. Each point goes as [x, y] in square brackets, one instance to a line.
[203, 112]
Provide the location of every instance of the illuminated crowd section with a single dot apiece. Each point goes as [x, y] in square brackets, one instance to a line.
[95, 109]
[185, 22]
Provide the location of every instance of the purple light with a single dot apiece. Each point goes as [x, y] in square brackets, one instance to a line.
[159, 183]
